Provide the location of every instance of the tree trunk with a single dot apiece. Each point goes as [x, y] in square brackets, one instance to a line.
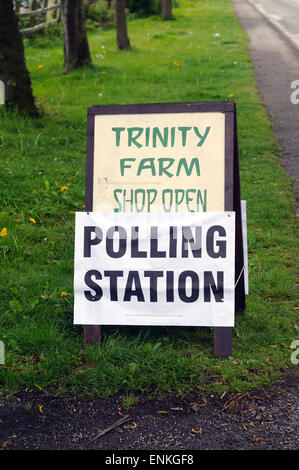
[13, 70]
[123, 41]
[76, 48]
[167, 9]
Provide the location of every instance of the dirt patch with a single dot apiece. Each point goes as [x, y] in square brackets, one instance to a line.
[260, 419]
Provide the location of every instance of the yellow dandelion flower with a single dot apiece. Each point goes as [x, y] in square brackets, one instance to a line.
[63, 188]
[63, 293]
[230, 95]
[40, 66]
[31, 219]
[41, 408]
[3, 232]
[4, 444]
[195, 431]
[134, 425]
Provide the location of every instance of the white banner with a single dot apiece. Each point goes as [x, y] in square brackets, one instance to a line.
[245, 244]
[175, 269]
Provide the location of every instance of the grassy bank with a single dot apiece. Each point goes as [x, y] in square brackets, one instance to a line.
[200, 56]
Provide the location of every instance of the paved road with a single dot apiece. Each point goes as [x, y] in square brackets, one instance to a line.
[284, 14]
[276, 59]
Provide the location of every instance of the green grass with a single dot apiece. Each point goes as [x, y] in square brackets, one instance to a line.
[200, 56]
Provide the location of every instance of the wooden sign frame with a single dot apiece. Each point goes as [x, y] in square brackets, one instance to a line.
[222, 335]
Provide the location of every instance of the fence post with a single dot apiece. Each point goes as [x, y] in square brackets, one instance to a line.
[50, 14]
[18, 6]
[45, 4]
[2, 353]
[34, 6]
[2, 92]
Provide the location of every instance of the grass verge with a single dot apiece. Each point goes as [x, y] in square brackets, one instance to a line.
[200, 56]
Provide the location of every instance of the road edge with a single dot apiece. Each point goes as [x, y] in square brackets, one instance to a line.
[275, 24]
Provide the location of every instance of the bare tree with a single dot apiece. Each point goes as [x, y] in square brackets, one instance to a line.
[76, 48]
[13, 70]
[122, 38]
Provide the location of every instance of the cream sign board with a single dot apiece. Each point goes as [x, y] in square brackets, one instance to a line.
[159, 162]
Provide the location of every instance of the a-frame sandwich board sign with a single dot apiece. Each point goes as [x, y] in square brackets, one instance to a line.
[156, 126]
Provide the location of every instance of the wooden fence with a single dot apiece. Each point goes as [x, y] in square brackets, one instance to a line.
[49, 12]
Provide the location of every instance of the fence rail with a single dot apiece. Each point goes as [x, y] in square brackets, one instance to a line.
[31, 13]
[38, 12]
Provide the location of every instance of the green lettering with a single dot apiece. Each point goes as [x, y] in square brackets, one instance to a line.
[151, 200]
[133, 139]
[142, 192]
[203, 201]
[164, 193]
[115, 191]
[172, 130]
[163, 139]
[183, 163]
[201, 137]
[117, 131]
[184, 131]
[123, 165]
[147, 164]
[189, 199]
[163, 168]
[130, 201]
[147, 136]
[179, 197]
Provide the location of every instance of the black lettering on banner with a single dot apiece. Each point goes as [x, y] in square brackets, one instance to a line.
[155, 253]
[113, 283]
[122, 242]
[135, 253]
[153, 275]
[209, 282]
[173, 242]
[88, 241]
[93, 285]
[133, 278]
[194, 286]
[188, 239]
[220, 244]
[169, 286]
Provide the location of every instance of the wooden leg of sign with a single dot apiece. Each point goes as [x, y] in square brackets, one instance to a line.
[92, 334]
[223, 341]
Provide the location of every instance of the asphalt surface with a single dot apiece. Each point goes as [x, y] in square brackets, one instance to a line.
[283, 14]
[271, 27]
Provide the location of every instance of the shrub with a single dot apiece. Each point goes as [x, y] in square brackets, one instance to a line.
[98, 14]
[143, 8]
